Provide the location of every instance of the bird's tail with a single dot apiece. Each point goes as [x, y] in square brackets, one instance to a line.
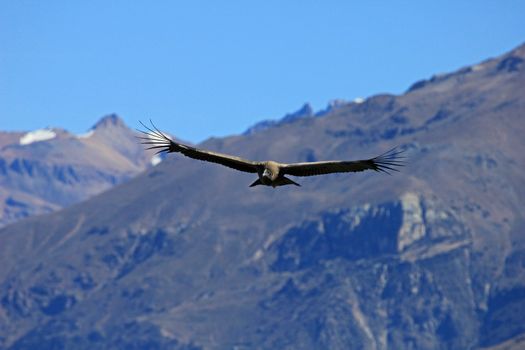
[256, 182]
[283, 181]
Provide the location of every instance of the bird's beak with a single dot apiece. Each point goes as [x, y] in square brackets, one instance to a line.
[265, 173]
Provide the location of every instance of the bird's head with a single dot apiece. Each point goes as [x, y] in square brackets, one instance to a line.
[267, 173]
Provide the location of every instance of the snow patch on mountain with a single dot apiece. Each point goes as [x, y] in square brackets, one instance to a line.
[156, 159]
[477, 67]
[37, 135]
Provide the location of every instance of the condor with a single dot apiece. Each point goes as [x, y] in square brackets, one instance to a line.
[272, 173]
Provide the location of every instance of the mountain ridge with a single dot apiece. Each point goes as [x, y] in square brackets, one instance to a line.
[46, 169]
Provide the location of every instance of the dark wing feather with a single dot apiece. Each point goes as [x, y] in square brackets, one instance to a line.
[155, 139]
[386, 162]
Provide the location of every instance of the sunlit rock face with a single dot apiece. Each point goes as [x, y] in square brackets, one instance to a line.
[186, 256]
[413, 227]
[358, 233]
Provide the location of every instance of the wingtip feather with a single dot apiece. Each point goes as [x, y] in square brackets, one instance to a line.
[155, 138]
[389, 161]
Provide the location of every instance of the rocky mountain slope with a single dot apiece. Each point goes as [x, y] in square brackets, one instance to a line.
[186, 256]
[44, 170]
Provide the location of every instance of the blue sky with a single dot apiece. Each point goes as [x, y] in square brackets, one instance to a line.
[213, 68]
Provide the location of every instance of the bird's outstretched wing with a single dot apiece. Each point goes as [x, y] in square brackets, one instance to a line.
[155, 139]
[386, 162]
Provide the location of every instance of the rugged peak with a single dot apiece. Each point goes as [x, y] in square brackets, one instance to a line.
[332, 105]
[519, 51]
[511, 62]
[305, 111]
[108, 121]
[514, 61]
[338, 102]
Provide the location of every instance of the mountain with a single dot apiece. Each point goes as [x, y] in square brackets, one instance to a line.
[306, 111]
[186, 256]
[44, 170]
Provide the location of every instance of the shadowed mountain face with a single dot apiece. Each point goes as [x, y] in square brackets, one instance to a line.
[44, 170]
[186, 256]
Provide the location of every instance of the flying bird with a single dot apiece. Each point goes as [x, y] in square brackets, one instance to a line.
[271, 173]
